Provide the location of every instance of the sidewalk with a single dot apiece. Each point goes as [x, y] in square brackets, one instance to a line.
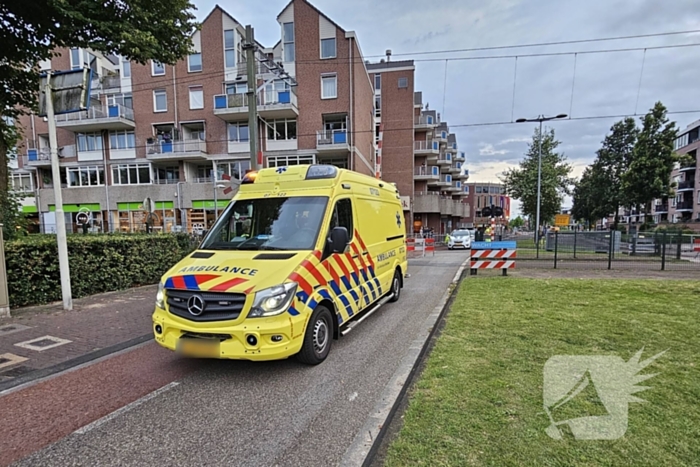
[40, 340]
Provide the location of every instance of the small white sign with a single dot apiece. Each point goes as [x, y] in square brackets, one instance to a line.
[406, 203]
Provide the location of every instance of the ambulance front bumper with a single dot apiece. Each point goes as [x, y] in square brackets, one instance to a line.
[254, 339]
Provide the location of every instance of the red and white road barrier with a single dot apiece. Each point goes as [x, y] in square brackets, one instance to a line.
[429, 246]
[492, 259]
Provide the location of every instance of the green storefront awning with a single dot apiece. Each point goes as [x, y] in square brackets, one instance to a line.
[77, 207]
[209, 204]
[139, 206]
[31, 209]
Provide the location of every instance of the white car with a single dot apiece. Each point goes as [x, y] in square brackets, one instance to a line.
[460, 239]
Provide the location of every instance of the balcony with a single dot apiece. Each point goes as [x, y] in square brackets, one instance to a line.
[278, 104]
[452, 148]
[460, 157]
[194, 149]
[42, 157]
[231, 107]
[114, 117]
[426, 173]
[661, 208]
[688, 168]
[424, 122]
[426, 202]
[688, 185]
[445, 158]
[328, 141]
[426, 148]
[684, 206]
[440, 136]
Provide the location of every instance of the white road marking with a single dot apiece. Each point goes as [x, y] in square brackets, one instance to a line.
[353, 396]
[12, 359]
[126, 408]
[56, 342]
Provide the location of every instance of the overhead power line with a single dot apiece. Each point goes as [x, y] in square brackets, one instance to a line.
[544, 44]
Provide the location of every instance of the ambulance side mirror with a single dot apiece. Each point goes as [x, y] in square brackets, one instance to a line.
[339, 239]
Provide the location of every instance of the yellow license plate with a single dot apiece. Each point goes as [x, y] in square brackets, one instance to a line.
[199, 348]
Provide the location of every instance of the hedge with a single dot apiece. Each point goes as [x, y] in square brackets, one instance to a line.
[98, 263]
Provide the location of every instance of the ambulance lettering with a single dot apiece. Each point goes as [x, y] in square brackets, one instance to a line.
[228, 269]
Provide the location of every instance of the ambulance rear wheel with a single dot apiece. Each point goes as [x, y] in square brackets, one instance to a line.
[318, 337]
[395, 287]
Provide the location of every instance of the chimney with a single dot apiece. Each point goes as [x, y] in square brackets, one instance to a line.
[388, 55]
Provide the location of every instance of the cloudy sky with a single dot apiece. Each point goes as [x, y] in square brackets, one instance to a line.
[481, 91]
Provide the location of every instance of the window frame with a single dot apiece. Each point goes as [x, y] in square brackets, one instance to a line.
[334, 76]
[130, 143]
[195, 89]
[116, 173]
[231, 49]
[405, 80]
[335, 48]
[73, 65]
[238, 126]
[189, 63]
[17, 178]
[155, 100]
[85, 169]
[126, 69]
[89, 136]
[153, 68]
[378, 80]
[286, 42]
[272, 126]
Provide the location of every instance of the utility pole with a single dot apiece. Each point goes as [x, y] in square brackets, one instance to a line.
[249, 47]
[58, 199]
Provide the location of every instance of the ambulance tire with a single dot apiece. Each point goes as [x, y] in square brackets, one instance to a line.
[318, 337]
[395, 287]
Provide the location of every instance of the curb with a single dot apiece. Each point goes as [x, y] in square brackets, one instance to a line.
[368, 440]
[36, 376]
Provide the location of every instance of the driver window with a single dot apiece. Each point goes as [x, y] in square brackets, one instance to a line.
[342, 216]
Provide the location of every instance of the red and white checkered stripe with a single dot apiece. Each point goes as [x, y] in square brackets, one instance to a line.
[493, 254]
[509, 264]
[378, 164]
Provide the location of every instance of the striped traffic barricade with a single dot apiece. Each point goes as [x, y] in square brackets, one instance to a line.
[429, 246]
[493, 255]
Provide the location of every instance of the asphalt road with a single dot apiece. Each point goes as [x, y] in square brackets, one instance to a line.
[221, 412]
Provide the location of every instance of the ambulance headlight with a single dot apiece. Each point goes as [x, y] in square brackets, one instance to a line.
[273, 301]
[160, 296]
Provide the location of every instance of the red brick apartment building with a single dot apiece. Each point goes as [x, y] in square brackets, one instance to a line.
[171, 133]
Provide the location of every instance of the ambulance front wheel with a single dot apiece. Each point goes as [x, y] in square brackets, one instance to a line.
[318, 337]
[395, 287]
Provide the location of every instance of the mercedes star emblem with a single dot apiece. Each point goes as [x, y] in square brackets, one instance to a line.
[195, 305]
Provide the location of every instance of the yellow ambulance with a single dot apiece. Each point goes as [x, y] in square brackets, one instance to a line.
[300, 256]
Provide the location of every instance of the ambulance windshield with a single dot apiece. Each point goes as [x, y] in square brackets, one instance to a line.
[268, 224]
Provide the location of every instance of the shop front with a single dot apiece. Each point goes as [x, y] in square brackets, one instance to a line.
[132, 217]
[203, 215]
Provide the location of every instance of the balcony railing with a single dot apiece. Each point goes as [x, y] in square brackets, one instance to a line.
[685, 205]
[230, 101]
[44, 154]
[331, 137]
[661, 208]
[98, 112]
[277, 98]
[177, 147]
[426, 145]
[424, 120]
[689, 167]
[430, 171]
[686, 185]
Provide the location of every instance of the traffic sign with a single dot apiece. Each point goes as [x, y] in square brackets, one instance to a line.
[562, 220]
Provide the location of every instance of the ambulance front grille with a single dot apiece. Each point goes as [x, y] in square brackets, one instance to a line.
[217, 306]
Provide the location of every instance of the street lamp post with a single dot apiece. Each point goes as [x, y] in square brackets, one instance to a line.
[540, 119]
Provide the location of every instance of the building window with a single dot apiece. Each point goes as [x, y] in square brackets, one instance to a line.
[377, 106]
[329, 86]
[478, 189]
[403, 83]
[21, 182]
[328, 48]
[123, 139]
[89, 142]
[377, 82]
[238, 132]
[166, 175]
[283, 161]
[196, 97]
[85, 176]
[75, 59]
[126, 69]
[237, 88]
[235, 169]
[230, 48]
[157, 68]
[288, 41]
[282, 130]
[125, 100]
[160, 101]
[132, 174]
[194, 62]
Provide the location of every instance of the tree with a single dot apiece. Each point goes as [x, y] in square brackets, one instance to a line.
[586, 197]
[612, 163]
[518, 222]
[521, 183]
[649, 173]
[30, 31]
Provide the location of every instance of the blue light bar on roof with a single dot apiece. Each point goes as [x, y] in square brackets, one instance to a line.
[321, 171]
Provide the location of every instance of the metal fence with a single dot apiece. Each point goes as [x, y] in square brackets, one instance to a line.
[665, 251]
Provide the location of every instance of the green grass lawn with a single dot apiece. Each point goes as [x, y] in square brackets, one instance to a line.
[479, 400]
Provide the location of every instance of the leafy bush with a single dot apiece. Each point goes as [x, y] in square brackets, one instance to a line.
[98, 263]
